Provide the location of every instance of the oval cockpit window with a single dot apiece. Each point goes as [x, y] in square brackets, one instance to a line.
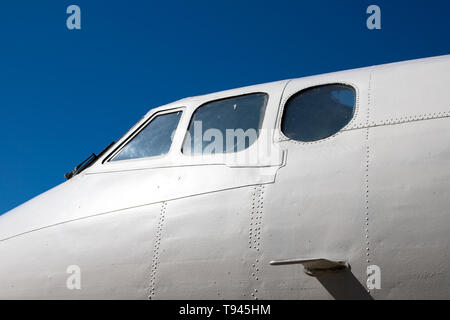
[319, 112]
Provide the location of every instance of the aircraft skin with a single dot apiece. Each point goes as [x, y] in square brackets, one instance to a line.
[186, 227]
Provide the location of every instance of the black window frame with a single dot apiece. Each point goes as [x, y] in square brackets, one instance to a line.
[260, 124]
[299, 92]
[138, 130]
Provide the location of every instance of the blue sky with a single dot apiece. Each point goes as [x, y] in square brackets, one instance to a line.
[67, 93]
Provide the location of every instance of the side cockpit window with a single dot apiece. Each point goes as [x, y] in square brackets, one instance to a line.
[225, 126]
[154, 140]
[318, 112]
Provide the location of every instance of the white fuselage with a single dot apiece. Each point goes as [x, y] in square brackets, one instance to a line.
[185, 227]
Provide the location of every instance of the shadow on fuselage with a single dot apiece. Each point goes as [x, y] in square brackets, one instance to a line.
[343, 285]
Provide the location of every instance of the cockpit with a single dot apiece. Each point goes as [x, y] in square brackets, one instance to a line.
[213, 128]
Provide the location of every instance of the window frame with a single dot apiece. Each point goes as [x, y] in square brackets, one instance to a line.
[139, 129]
[285, 100]
[191, 116]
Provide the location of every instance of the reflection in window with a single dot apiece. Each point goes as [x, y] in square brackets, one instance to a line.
[154, 140]
[225, 126]
[319, 112]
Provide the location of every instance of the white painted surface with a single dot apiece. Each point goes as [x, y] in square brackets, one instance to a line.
[378, 192]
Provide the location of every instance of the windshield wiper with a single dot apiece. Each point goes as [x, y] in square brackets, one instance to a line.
[87, 163]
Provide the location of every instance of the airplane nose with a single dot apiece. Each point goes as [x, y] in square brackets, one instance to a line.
[17, 260]
[26, 267]
[22, 219]
[32, 243]
[49, 208]
[45, 239]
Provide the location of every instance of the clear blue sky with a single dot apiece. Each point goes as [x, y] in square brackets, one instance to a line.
[65, 94]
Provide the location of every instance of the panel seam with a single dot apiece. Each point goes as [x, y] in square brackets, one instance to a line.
[401, 120]
[156, 250]
[129, 208]
[367, 175]
[254, 243]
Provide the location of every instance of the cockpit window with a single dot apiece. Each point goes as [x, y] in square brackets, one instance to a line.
[154, 140]
[225, 126]
[318, 112]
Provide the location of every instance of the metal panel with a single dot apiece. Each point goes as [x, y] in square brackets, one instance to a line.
[205, 250]
[411, 91]
[409, 196]
[113, 252]
[316, 209]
